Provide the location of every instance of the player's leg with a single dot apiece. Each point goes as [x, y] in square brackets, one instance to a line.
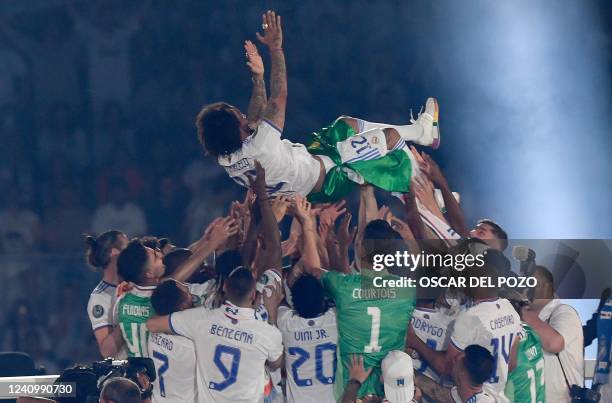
[369, 145]
[424, 130]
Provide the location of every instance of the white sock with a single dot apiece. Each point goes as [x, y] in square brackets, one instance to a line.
[407, 132]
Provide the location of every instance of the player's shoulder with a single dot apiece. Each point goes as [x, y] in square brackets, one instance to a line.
[104, 288]
[285, 314]
[103, 295]
[265, 126]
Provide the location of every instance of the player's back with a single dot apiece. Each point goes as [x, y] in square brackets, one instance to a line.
[526, 382]
[371, 321]
[133, 309]
[310, 355]
[494, 325]
[289, 167]
[175, 365]
[232, 347]
[433, 326]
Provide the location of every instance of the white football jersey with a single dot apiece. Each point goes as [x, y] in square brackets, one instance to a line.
[175, 365]
[434, 327]
[232, 347]
[100, 305]
[494, 325]
[310, 355]
[289, 167]
[100, 309]
[480, 397]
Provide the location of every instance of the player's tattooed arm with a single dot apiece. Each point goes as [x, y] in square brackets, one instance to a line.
[431, 389]
[259, 97]
[273, 39]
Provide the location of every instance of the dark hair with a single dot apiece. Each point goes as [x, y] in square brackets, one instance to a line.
[479, 364]
[548, 276]
[224, 265]
[167, 298]
[121, 390]
[380, 238]
[227, 261]
[308, 296]
[132, 261]
[497, 230]
[99, 248]
[239, 285]
[173, 260]
[219, 129]
[154, 242]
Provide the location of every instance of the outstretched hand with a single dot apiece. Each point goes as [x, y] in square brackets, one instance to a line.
[254, 60]
[357, 369]
[345, 233]
[220, 230]
[331, 212]
[434, 173]
[273, 33]
[301, 209]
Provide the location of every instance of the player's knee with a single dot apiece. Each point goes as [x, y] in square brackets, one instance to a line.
[392, 137]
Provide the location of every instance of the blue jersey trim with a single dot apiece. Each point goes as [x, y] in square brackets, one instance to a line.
[273, 125]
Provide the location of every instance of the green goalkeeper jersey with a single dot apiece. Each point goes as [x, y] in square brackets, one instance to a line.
[133, 309]
[526, 382]
[371, 321]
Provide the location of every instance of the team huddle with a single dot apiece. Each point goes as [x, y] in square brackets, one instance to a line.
[242, 315]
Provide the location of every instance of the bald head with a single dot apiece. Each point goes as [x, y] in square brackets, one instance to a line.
[120, 390]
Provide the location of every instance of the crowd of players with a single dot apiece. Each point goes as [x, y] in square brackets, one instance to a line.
[248, 328]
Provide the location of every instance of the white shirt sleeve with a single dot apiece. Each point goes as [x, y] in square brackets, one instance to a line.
[274, 344]
[100, 311]
[566, 322]
[186, 323]
[467, 331]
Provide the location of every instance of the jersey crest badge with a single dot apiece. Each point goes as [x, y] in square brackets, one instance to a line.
[97, 311]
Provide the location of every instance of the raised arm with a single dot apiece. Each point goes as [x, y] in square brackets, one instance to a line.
[271, 253]
[215, 235]
[345, 239]
[453, 210]
[310, 255]
[259, 98]
[273, 39]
